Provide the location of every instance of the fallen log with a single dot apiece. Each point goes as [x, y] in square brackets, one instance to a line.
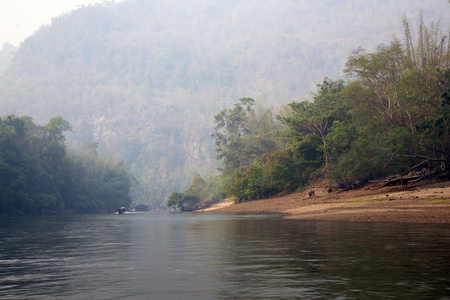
[400, 180]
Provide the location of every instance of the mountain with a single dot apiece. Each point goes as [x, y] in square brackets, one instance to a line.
[145, 78]
[6, 54]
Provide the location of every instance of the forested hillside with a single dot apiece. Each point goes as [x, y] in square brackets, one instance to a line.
[6, 54]
[391, 119]
[39, 176]
[145, 78]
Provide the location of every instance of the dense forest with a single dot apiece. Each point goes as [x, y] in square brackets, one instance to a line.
[39, 176]
[144, 79]
[392, 116]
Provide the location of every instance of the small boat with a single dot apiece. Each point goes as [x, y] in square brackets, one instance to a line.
[121, 210]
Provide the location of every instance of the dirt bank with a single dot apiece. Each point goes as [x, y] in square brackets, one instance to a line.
[426, 202]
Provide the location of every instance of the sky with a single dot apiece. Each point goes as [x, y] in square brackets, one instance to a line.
[19, 19]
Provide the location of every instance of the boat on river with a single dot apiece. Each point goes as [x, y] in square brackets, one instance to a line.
[121, 210]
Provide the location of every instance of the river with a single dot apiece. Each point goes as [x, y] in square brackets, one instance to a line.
[169, 255]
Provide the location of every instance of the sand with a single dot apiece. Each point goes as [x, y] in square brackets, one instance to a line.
[427, 202]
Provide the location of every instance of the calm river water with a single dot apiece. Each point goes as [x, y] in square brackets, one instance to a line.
[163, 255]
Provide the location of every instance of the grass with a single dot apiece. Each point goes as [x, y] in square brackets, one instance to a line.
[438, 201]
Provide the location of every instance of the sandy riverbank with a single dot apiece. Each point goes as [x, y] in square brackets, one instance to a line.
[426, 202]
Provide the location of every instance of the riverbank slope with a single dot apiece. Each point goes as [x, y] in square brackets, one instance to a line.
[424, 202]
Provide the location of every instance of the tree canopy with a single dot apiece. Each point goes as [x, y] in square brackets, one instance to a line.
[39, 176]
[391, 117]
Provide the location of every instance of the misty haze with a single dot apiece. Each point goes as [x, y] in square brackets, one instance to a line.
[157, 149]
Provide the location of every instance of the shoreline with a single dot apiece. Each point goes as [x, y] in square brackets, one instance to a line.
[428, 202]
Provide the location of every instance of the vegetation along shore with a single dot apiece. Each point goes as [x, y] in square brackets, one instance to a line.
[166, 108]
[426, 202]
[391, 117]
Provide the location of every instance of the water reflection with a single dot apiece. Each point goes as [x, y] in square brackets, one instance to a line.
[209, 256]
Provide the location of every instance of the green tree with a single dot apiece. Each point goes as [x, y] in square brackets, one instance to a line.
[38, 177]
[231, 125]
[397, 105]
[55, 129]
[316, 118]
[183, 201]
[244, 133]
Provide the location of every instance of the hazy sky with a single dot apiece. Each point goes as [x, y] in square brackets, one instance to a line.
[21, 18]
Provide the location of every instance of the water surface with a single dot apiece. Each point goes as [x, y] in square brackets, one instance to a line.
[162, 255]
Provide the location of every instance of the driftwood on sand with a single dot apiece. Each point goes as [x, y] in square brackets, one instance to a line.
[411, 178]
